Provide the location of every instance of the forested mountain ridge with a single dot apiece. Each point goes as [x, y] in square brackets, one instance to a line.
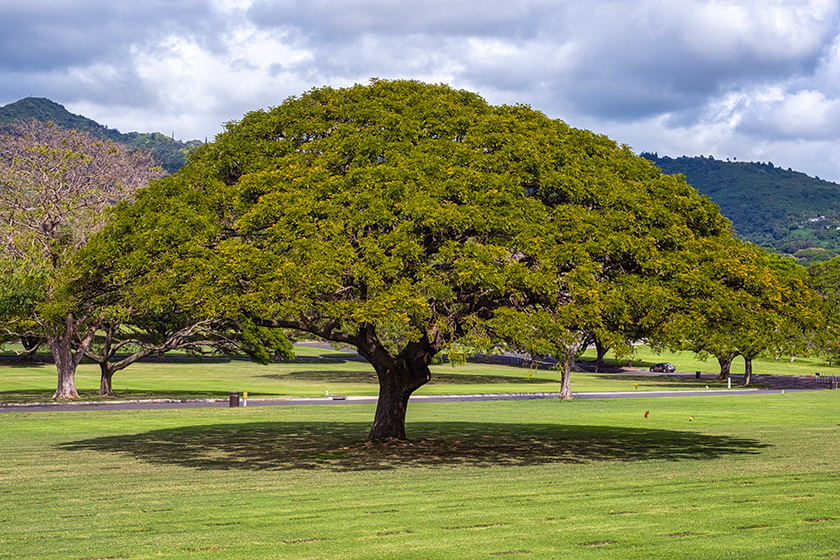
[170, 153]
[782, 210]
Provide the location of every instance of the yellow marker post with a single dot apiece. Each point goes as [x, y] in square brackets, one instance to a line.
[245, 398]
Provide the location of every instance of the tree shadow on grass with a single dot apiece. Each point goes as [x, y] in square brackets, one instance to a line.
[665, 380]
[461, 379]
[346, 376]
[341, 446]
[18, 362]
[325, 376]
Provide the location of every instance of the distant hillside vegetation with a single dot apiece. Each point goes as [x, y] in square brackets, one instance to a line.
[780, 209]
[170, 153]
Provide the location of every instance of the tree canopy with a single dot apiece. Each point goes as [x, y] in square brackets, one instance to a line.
[824, 277]
[736, 299]
[401, 217]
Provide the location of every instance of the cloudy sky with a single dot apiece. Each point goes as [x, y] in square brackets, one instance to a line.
[753, 80]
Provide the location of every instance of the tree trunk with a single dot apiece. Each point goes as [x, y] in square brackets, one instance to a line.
[106, 371]
[105, 386]
[30, 354]
[30, 346]
[65, 365]
[391, 408]
[66, 357]
[601, 351]
[566, 374]
[566, 385]
[398, 377]
[725, 362]
[747, 371]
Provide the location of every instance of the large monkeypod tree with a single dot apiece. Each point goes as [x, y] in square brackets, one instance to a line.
[400, 217]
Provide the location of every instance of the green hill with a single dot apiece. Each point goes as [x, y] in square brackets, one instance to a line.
[780, 209]
[171, 154]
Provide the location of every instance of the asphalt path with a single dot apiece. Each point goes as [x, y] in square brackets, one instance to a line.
[341, 400]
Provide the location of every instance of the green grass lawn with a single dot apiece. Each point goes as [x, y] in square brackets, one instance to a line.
[215, 378]
[749, 477]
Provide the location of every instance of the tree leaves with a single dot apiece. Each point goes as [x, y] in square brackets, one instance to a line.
[423, 212]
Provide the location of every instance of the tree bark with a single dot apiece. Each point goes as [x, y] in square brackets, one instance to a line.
[65, 365]
[391, 408]
[105, 385]
[747, 371]
[566, 385]
[68, 346]
[725, 362]
[30, 346]
[399, 376]
[600, 351]
[566, 374]
[395, 388]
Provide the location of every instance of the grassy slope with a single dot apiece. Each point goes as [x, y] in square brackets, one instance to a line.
[214, 378]
[749, 477]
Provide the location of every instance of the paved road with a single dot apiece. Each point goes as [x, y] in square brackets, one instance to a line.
[335, 400]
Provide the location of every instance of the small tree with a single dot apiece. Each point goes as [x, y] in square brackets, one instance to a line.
[55, 188]
[824, 277]
[739, 300]
[121, 346]
[789, 317]
[145, 318]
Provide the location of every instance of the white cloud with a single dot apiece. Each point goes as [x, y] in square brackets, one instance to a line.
[231, 6]
[194, 87]
[770, 31]
[744, 78]
[806, 114]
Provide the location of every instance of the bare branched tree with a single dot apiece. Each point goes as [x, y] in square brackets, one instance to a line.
[56, 186]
